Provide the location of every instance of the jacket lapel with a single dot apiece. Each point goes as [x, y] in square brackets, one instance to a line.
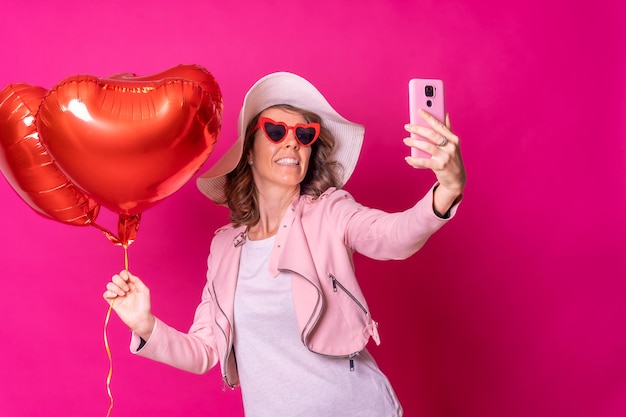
[226, 264]
[295, 256]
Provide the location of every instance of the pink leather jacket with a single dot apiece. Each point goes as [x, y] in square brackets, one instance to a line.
[315, 243]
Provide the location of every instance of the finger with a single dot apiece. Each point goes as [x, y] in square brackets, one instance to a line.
[120, 282]
[430, 119]
[440, 155]
[115, 290]
[136, 283]
[429, 135]
[425, 133]
[448, 125]
[125, 274]
[133, 281]
[109, 296]
[427, 146]
[439, 127]
[428, 163]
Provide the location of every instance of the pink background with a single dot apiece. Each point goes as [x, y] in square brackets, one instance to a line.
[517, 308]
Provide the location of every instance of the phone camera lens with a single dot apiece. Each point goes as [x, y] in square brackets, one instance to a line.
[429, 90]
[429, 103]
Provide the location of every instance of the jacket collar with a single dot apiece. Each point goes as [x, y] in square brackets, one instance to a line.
[291, 249]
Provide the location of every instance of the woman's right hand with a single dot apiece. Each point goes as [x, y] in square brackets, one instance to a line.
[131, 302]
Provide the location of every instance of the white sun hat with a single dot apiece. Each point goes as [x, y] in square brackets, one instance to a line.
[286, 88]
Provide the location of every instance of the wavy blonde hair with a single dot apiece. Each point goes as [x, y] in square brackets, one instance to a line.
[323, 172]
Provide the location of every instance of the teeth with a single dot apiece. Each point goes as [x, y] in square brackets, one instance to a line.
[287, 161]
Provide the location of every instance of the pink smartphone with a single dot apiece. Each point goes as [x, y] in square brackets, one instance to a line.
[425, 94]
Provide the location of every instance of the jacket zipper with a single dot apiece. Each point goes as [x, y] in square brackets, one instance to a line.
[228, 340]
[337, 284]
[351, 358]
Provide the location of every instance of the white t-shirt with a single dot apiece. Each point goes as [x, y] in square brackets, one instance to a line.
[279, 376]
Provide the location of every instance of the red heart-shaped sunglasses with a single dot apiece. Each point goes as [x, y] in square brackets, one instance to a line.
[276, 132]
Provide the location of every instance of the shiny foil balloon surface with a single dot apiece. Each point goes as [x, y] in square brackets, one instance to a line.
[27, 165]
[195, 73]
[128, 141]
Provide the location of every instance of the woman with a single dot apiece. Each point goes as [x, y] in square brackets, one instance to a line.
[282, 311]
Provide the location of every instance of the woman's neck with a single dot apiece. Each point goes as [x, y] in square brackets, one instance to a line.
[271, 212]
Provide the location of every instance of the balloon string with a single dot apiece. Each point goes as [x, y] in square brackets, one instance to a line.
[106, 341]
[126, 257]
[106, 346]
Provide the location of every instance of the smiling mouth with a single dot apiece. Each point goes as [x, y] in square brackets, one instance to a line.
[287, 161]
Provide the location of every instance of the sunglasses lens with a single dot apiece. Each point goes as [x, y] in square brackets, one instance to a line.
[274, 132]
[306, 135]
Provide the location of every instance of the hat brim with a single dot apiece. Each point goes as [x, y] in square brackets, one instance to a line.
[286, 88]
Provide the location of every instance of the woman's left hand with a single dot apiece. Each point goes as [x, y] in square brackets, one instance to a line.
[446, 161]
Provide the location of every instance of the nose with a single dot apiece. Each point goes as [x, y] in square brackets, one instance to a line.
[290, 139]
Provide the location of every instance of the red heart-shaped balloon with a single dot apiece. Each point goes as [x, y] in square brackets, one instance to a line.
[190, 72]
[27, 165]
[129, 141]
